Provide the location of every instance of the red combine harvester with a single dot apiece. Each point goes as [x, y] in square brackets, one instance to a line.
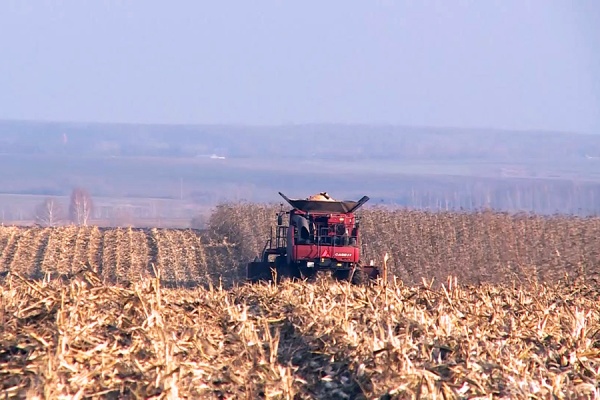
[321, 234]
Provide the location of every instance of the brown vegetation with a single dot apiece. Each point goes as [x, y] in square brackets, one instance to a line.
[476, 247]
[117, 255]
[81, 338]
[520, 320]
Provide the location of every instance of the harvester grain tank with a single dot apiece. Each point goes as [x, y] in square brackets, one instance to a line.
[319, 234]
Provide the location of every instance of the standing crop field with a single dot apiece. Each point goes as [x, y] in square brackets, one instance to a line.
[475, 247]
[117, 255]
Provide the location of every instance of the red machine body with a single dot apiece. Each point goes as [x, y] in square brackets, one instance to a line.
[331, 237]
[320, 234]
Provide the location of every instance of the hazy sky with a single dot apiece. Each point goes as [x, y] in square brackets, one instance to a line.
[504, 64]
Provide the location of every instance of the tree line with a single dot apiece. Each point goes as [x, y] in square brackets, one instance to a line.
[52, 213]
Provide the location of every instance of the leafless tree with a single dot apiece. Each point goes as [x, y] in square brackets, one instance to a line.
[81, 206]
[49, 213]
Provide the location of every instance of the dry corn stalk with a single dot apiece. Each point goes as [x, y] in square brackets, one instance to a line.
[80, 338]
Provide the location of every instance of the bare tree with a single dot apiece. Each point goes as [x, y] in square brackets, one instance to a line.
[49, 213]
[81, 206]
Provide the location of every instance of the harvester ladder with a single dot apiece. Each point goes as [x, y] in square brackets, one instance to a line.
[281, 236]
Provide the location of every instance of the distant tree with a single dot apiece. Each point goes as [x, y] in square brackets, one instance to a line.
[49, 213]
[81, 206]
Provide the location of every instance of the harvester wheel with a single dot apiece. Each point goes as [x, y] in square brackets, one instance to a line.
[258, 271]
[360, 277]
[342, 275]
[284, 270]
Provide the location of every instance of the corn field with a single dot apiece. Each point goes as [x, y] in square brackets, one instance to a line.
[117, 255]
[476, 247]
[328, 340]
[482, 305]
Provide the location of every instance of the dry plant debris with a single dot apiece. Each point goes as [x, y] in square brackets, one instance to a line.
[81, 338]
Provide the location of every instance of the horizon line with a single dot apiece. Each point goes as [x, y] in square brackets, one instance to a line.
[292, 124]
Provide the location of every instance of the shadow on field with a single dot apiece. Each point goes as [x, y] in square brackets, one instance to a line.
[327, 375]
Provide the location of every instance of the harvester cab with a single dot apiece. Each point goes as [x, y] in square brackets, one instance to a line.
[319, 234]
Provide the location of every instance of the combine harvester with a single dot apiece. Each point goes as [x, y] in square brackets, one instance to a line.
[321, 234]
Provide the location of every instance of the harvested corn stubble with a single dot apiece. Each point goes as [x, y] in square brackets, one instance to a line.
[79, 337]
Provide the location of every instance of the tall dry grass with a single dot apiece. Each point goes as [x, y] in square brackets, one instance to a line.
[83, 339]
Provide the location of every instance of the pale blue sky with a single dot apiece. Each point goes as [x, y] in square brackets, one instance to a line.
[501, 64]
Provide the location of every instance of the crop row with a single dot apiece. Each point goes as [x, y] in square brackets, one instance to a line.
[116, 254]
[475, 247]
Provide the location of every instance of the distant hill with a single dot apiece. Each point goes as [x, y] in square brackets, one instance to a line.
[350, 142]
[202, 165]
